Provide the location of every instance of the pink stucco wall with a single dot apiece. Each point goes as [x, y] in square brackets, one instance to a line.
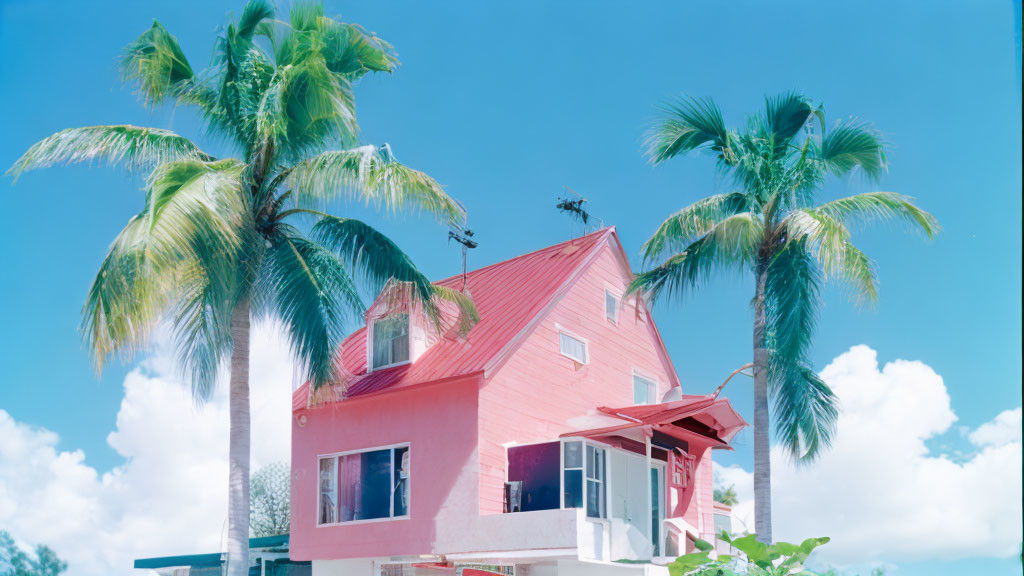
[538, 392]
[440, 423]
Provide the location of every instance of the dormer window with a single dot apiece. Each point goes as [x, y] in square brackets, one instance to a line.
[390, 340]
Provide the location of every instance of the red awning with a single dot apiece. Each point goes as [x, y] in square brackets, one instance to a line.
[706, 417]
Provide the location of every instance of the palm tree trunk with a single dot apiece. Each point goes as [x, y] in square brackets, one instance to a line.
[238, 451]
[762, 447]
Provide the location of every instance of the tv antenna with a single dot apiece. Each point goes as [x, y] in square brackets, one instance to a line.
[463, 236]
[572, 204]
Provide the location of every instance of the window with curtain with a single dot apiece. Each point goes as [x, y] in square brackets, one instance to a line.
[390, 340]
[572, 347]
[645, 390]
[367, 485]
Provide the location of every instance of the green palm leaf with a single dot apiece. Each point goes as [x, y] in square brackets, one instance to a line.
[688, 124]
[851, 145]
[156, 64]
[885, 206]
[785, 116]
[315, 297]
[697, 219]
[805, 407]
[380, 260]
[374, 176]
[731, 243]
[131, 146]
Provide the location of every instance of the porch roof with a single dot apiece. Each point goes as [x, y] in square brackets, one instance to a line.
[706, 417]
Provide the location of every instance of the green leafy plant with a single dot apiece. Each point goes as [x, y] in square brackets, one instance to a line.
[726, 496]
[16, 562]
[220, 241]
[758, 558]
[770, 225]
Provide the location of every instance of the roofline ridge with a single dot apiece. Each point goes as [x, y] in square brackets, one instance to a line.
[605, 230]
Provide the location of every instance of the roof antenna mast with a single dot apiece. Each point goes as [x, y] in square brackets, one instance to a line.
[573, 206]
[463, 236]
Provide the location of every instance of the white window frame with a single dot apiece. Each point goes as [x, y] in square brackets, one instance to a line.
[583, 473]
[618, 305]
[391, 504]
[655, 383]
[584, 341]
[369, 344]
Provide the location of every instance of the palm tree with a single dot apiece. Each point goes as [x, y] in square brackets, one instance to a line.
[223, 240]
[770, 226]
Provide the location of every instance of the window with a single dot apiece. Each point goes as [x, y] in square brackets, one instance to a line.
[595, 482]
[390, 340]
[366, 485]
[587, 490]
[645, 390]
[611, 307]
[572, 347]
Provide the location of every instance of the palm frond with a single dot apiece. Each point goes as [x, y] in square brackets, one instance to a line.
[314, 295]
[885, 206]
[805, 407]
[785, 115]
[681, 228]
[200, 319]
[688, 124]
[155, 63]
[854, 144]
[373, 175]
[380, 260]
[131, 146]
[732, 243]
[255, 12]
[805, 410]
[830, 242]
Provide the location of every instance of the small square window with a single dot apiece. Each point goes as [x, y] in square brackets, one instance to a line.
[611, 306]
[572, 347]
[645, 390]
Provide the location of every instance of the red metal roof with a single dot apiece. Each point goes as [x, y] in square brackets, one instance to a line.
[507, 295]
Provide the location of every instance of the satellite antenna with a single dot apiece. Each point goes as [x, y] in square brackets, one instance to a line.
[463, 236]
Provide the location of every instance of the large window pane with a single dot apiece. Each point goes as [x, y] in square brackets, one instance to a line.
[595, 499]
[373, 485]
[536, 466]
[573, 489]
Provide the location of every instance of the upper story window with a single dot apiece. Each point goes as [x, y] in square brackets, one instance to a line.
[611, 306]
[390, 340]
[364, 485]
[572, 347]
[645, 390]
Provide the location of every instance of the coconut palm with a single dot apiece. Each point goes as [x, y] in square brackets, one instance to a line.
[770, 226]
[222, 240]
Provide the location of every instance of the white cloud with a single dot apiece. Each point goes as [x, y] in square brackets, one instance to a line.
[170, 495]
[879, 492]
[1005, 429]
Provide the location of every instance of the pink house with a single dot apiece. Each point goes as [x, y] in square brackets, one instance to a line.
[552, 438]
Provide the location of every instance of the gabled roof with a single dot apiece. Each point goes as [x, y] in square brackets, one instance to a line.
[509, 296]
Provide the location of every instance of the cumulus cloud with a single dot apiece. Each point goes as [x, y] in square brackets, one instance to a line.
[880, 493]
[170, 494]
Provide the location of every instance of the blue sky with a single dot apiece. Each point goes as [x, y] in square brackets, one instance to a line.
[506, 104]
